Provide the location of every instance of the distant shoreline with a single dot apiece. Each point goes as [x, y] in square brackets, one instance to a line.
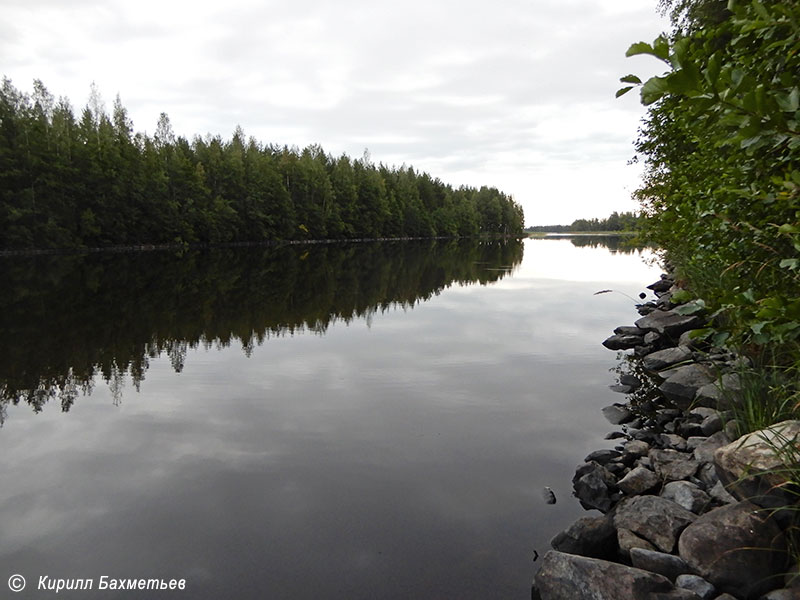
[546, 234]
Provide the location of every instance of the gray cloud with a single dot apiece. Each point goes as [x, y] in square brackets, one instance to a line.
[462, 86]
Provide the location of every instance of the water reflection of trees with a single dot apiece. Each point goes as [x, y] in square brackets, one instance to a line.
[67, 319]
[615, 243]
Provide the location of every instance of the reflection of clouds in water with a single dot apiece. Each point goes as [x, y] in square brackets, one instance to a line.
[561, 260]
[359, 457]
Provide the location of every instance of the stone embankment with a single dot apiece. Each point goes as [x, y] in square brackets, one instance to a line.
[686, 510]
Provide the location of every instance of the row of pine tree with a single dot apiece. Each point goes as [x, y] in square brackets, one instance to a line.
[93, 182]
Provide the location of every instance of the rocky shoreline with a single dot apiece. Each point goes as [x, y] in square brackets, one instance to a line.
[688, 510]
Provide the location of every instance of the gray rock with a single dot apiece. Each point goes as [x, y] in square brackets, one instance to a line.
[614, 435]
[753, 467]
[688, 339]
[669, 323]
[629, 330]
[638, 481]
[662, 285]
[603, 456]
[570, 577]
[782, 594]
[703, 411]
[723, 393]
[673, 441]
[623, 342]
[672, 465]
[688, 429]
[704, 451]
[637, 448]
[668, 565]
[687, 495]
[720, 494]
[620, 388]
[698, 585]
[725, 597]
[651, 338]
[656, 519]
[676, 594]
[658, 361]
[711, 424]
[737, 548]
[591, 486]
[707, 474]
[617, 414]
[588, 536]
[630, 380]
[681, 383]
[627, 541]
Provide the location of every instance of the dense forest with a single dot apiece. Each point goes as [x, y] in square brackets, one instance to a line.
[721, 149]
[616, 221]
[68, 182]
[107, 315]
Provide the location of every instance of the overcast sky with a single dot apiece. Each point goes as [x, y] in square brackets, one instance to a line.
[518, 94]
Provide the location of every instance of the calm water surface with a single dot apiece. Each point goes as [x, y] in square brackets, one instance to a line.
[359, 421]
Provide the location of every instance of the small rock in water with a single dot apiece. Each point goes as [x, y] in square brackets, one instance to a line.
[548, 495]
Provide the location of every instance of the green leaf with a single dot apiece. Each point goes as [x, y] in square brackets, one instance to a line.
[699, 334]
[623, 91]
[720, 338]
[661, 47]
[639, 48]
[789, 102]
[630, 79]
[790, 263]
[680, 297]
[762, 12]
[691, 308]
[680, 51]
[653, 89]
[713, 69]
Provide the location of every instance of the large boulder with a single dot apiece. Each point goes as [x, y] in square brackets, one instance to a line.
[658, 361]
[656, 519]
[588, 536]
[570, 577]
[638, 481]
[627, 541]
[593, 485]
[668, 565]
[623, 342]
[756, 466]
[669, 323]
[686, 494]
[681, 383]
[723, 393]
[737, 548]
[672, 465]
[705, 449]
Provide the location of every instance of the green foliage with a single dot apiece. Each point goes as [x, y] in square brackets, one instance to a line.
[67, 183]
[768, 395]
[626, 221]
[720, 144]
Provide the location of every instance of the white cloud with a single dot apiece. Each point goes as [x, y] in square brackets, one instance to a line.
[520, 97]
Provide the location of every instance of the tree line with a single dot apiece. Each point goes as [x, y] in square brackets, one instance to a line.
[616, 221]
[721, 149]
[68, 182]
